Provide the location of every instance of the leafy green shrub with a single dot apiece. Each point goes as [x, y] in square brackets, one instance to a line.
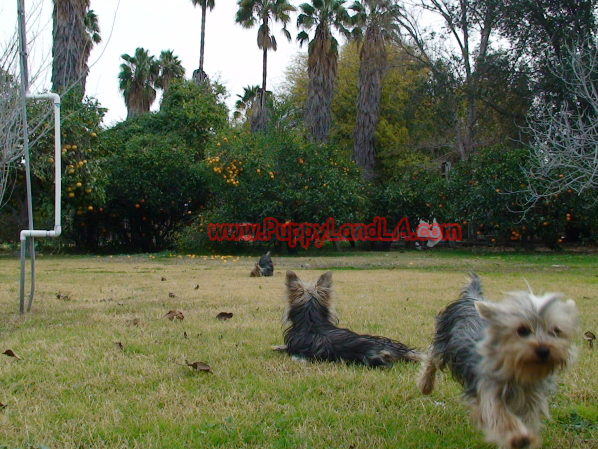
[192, 112]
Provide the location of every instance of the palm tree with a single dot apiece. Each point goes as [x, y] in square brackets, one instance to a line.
[245, 102]
[69, 42]
[170, 69]
[199, 75]
[92, 38]
[377, 16]
[264, 12]
[138, 76]
[244, 105]
[324, 15]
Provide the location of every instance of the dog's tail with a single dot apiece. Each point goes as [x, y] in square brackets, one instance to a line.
[473, 290]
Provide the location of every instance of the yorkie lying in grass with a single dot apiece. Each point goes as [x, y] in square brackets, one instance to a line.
[312, 332]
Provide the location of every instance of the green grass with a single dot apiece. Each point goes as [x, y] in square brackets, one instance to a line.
[75, 388]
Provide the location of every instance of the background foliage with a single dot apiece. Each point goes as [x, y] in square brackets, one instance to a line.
[448, 138]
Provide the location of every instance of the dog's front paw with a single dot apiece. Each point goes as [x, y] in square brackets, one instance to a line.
[520, 442]
[523, 440]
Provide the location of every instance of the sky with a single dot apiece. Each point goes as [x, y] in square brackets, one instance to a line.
[231, 54]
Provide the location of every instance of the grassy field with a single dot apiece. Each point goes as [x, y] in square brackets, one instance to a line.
[76, 388]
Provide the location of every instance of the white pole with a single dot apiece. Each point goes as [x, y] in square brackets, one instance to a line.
[24, 90]
[57, 196]
[31, 233]
[57, 160]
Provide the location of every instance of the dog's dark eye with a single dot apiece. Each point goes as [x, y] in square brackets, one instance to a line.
[557, 332]
[524, 331]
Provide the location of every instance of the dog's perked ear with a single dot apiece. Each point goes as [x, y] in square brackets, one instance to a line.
[292, 280]
[486, 309]
[570, 308]
[325, 281]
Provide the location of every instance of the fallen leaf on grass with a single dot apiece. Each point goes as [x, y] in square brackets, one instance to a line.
[171, 295]
[589, 337]
[134, 322]
[2, 406]
[196, 287]
[185, 334]
[11, 353]
[172, 314]
[119, 345]
[63, 296]
[163, 278]
[199, 366]
[223, 316]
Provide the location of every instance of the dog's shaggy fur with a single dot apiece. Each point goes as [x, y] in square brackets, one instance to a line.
[312, 332]
[505, 356]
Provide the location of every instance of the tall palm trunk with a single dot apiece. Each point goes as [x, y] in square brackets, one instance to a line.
[69, 63]
[204, 8]
[322, 74]
[259, 115]
[140, 101]
[199, 75]
[264, 67]
[372, 65]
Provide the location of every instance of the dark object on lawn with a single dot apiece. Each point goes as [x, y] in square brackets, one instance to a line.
[223, 316]
[589, 337]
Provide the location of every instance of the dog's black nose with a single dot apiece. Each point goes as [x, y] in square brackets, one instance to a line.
[542, 352]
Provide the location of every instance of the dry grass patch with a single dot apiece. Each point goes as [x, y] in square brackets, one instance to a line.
[75, 388]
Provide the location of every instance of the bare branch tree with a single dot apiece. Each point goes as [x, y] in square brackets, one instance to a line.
[456, 54]
[11, 149]
[565, 140]
[11, 121]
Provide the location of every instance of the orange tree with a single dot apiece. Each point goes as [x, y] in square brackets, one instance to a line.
[487, 194]
[490, 191]
[154, 186]
[278, 175]
[155, 179]
[82, 155]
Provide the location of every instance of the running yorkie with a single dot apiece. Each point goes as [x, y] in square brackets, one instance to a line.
[505, 355]
[313, 334]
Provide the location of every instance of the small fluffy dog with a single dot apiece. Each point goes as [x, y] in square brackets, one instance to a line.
[505, 355]
[313, 334]
[264, 267]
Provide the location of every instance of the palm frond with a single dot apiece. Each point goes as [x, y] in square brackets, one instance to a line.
[307, 9]
[302, 38]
